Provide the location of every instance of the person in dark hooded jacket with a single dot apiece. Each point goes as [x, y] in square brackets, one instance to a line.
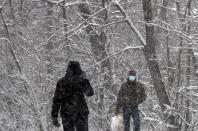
[69, 99]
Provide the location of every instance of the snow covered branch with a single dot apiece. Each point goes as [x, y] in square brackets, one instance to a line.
[115, 53]
[130, 23]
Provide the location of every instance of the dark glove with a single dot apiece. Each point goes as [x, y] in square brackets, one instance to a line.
[55, 122]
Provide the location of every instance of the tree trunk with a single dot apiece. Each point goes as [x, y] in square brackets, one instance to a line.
[188, 114]
[11, 9]
[179, 83]
[65, 29]
[163, 12]
[163, 16]
[190, 52]
[48, 48]
[150, 55]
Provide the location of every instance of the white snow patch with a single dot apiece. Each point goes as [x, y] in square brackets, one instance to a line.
[196, 54]
[192, 87]
[195, 11]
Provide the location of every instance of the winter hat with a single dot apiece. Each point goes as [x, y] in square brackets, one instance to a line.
[132, 73]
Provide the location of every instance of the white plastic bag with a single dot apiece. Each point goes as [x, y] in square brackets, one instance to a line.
[117, 123]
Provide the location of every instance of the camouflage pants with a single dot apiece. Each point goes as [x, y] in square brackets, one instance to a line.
[127, 113]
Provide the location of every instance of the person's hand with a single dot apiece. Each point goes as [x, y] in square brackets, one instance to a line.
[55, 122]
[116, 113]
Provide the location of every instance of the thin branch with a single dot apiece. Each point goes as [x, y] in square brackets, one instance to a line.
[54, 2]
[73, 31]
[61, 3]
[1, 7]
[168, 8]
[113, 23]
[115, 53]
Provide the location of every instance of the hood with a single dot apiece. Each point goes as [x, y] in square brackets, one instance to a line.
[74, 68]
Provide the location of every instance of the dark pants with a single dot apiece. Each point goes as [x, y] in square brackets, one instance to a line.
[80, 123]
[134, 112]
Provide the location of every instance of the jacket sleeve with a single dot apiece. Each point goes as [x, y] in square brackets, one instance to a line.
[142, 94]
[88, 88]
[57, 100]
[119, 100]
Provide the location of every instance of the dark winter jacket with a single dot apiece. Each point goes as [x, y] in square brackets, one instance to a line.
[131, 94]
[69, 93]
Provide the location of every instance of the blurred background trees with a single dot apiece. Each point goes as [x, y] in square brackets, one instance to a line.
[157, 38]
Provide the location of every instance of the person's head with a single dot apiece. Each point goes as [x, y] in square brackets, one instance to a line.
[74, 68]
[132, 75]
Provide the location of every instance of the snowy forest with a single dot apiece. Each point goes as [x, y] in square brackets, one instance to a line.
[157, 38]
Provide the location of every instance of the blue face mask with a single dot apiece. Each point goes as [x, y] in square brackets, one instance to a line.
[131, 78]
